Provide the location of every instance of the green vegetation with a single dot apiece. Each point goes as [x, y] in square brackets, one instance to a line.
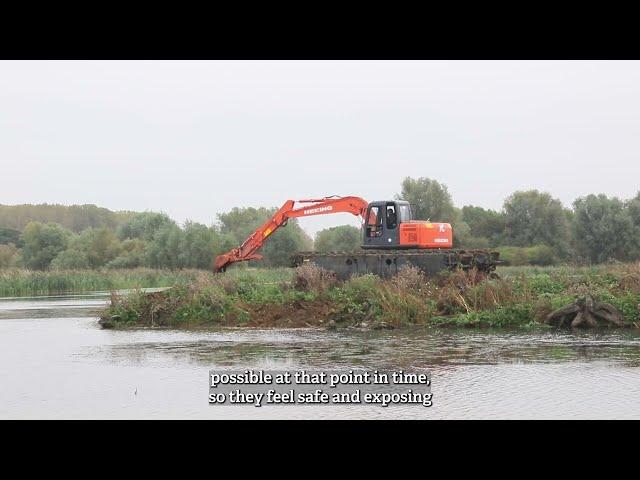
[344, 238]
[429, 199]
[20, 282]
[534, 218]
[9, 235]
[522, 297]
[510, 271]
[43, 243]
[75, 217]
[148, 239]
[239, 223]
[532, 228]
[537, 255]
[9, 256]
[607, 228]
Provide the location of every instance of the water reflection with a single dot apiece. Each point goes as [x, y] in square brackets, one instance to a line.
[423, 348]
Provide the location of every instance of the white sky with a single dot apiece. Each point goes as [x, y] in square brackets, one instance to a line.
[194, 139]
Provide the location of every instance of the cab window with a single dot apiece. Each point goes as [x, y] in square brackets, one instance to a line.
[392, 217]
[374, 222]
[405, 213]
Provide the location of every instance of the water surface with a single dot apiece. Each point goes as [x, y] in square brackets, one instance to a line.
[56, 362]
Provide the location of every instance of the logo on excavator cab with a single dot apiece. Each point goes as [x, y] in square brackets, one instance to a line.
[311, 211]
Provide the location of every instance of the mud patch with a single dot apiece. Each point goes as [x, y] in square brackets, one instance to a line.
[299, 314]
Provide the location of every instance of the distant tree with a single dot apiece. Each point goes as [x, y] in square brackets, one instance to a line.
[42, 243]
[9, 256]
[93, 248]
[101, 246]
[200, 244]
[9, 235]
[462, 237]
[283, 243]
[344, 238]
[429, 199]
[604, 229]
[633, 207]
[476, 242]
[483, 223]
[164, 249]
[70, 259]
[541, 255]
[239, 223]
[533, 218]
[132, 254]
[74, 217]
[144, 225]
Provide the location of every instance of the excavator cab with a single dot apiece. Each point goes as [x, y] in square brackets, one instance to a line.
[390, 225]
[382, 225]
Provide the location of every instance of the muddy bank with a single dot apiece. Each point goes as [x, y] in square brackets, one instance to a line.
[313, 298]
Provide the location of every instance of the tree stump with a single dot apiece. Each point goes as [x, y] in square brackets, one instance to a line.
[586, 313]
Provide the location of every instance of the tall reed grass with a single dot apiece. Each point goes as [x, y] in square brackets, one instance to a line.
[19, 282]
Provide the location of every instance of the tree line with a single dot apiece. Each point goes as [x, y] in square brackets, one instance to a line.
[531, 228]
[146, 239]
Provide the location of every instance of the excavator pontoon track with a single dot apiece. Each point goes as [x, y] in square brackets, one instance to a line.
[386, 263]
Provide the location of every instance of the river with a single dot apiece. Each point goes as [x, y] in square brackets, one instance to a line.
[56, 362]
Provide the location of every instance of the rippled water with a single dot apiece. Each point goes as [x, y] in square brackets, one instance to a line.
[56, 362]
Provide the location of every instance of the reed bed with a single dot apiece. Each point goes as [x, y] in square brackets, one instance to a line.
[18, 282]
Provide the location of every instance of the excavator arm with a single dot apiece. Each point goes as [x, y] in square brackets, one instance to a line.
[323, 206]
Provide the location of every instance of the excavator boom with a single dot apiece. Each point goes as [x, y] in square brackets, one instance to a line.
[322, 206]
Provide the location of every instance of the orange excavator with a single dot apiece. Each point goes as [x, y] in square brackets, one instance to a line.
[391, 239]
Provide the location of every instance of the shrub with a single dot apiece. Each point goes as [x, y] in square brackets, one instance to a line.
[70, 260]
[536, 255]
[310, 277]
[9, 256]
[541, 255]
[409, 278]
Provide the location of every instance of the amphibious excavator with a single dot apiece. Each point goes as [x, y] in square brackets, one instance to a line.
[391, 240]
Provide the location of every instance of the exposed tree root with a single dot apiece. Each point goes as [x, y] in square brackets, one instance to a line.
[586, 313]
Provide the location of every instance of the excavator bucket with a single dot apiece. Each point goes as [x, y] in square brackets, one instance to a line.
[226, 259]
[222, 262]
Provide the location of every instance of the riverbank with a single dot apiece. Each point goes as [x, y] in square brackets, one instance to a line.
[312, 298]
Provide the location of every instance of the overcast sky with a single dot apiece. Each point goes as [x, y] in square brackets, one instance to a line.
[194, 139]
